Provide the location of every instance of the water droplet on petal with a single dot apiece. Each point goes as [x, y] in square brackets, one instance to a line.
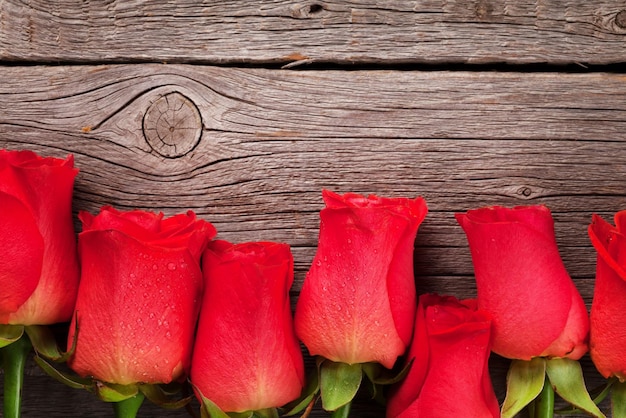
[171, 266]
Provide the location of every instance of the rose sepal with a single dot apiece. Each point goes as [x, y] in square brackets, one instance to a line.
[618, 399]
[10, 334]
[45, 344]
[566, 376]
[376, 374]
[379, 376]
[527, 383]
[161, 395]
[164, 395]
[524, 382]
[209, 409]
[339, 383]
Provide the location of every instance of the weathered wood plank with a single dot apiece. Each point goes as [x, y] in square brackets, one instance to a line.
[272, 140]
[250, 150]
[282, 31]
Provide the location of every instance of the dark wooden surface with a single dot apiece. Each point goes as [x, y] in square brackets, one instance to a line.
[258, 143]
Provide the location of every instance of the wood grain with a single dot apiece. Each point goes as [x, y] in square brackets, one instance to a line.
[271, 140]
[326, 31]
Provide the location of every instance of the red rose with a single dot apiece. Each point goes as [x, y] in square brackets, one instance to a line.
[246, 356]
[357, 303]
[522, 282]
[449, 376]
[608, 309]
[139, 294]
[39, 268]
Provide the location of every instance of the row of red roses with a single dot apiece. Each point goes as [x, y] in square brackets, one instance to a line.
[145, 280]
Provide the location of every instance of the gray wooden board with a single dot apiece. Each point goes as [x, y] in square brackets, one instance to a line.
[300, 32]
[251, 149]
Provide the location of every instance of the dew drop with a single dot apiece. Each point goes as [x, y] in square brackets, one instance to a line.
[157, 348]
[171, 266]
[155, 267]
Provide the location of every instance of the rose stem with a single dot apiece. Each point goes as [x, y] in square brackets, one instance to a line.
[342, 412]
[128, 408]
[13, 361]
[544, 403]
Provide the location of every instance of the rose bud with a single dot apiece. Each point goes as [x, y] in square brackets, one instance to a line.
[39, 267]
[608, 309]
[246, 356]
[139, 295]
[358, 302]
[522, 283]
[449, 375]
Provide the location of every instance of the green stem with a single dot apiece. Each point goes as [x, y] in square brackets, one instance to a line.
[128, 407]
[342, 411]
[544, 403]
[14, 358]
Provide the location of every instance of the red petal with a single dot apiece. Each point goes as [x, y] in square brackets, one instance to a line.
[521, 279]
[246, 355]
[137, 307]
[22, 250]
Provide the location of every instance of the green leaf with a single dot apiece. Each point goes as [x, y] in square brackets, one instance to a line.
[339, 383]
[65, 378]
[10, 333]
[566, 377]
[111, 392]
[524, 382]
[618, 400]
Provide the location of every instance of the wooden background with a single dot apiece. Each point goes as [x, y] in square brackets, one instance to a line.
[243, 111]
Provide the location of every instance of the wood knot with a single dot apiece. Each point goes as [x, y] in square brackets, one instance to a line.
[484, 10]
[172, 125]
[620, 19]
[525, 191]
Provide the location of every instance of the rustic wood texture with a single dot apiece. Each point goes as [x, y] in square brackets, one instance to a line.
[281, 31]
[251, 149]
